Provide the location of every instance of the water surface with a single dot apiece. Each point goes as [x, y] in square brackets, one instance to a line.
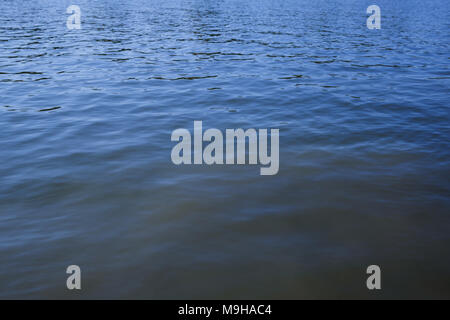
[86, 175]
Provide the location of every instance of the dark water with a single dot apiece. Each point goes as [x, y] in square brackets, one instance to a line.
[364, 149]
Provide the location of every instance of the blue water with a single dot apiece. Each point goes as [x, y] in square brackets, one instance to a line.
[86, 176]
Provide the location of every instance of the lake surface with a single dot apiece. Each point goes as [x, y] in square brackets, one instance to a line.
[86, 176]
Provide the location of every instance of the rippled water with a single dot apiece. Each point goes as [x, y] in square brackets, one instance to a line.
[86, 175]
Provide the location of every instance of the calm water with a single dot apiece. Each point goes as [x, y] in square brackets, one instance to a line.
[86, 175]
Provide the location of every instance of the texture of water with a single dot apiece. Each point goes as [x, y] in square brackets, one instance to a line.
[86, 176]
